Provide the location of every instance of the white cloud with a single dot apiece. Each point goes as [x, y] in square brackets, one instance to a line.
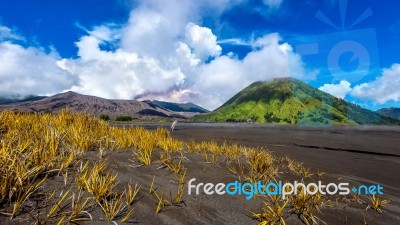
[153, 28]
[383, 89]
[186, 77]
[25, 71]
[161, 52]
[162, 55]
[29, 70]
[273, 3]
[219, 80]
[203, 41]
[118, 74]
[339, 90]
[271, 59]
[185, 54]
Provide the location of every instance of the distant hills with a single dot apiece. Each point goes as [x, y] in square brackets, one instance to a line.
[26, 99]
[283, 100]
[393, 113]
[288, 100]
[95, 106]
[178, 107]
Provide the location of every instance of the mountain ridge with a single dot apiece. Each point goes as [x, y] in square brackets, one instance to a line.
[92, 105]
[179, 107]
[288, 100]
[282, 100]
[391, 112]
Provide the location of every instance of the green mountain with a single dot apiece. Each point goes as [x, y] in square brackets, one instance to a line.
[288, 100]
[179, 107]
[393, 113]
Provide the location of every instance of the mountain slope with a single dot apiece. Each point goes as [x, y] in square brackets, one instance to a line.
[92, 105]
[287, 100]
[393, 113]
[26, 99]
[179, 107]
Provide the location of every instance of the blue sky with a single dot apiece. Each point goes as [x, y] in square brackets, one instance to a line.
[200, 51]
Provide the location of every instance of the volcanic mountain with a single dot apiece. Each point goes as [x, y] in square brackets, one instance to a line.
[288, 100]
[92, 105]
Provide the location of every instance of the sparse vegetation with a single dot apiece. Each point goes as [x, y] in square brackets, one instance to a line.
[124, 118]
[35, 149]
[104, 117]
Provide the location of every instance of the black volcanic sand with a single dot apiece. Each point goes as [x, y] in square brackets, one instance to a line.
[356, 154]
[367, 155]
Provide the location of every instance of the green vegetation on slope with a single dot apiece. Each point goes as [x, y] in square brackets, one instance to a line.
[288, 100]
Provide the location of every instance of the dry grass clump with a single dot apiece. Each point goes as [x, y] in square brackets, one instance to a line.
[96, 180]
[307, 206]
[114, 207]
[377, 203]
[210, 150]
[34, 148]
[131, 194]
[272, 213]
[175, 199]
[71, 208]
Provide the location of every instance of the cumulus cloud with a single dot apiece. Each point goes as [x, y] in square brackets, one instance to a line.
[219, 80]
[153, 27]
[176, 65]
[339, 90]
[118, 74]
[185, 55]
[28, 70]
[383, 89]
[270, 59]
[203, 41]
[162, 52]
